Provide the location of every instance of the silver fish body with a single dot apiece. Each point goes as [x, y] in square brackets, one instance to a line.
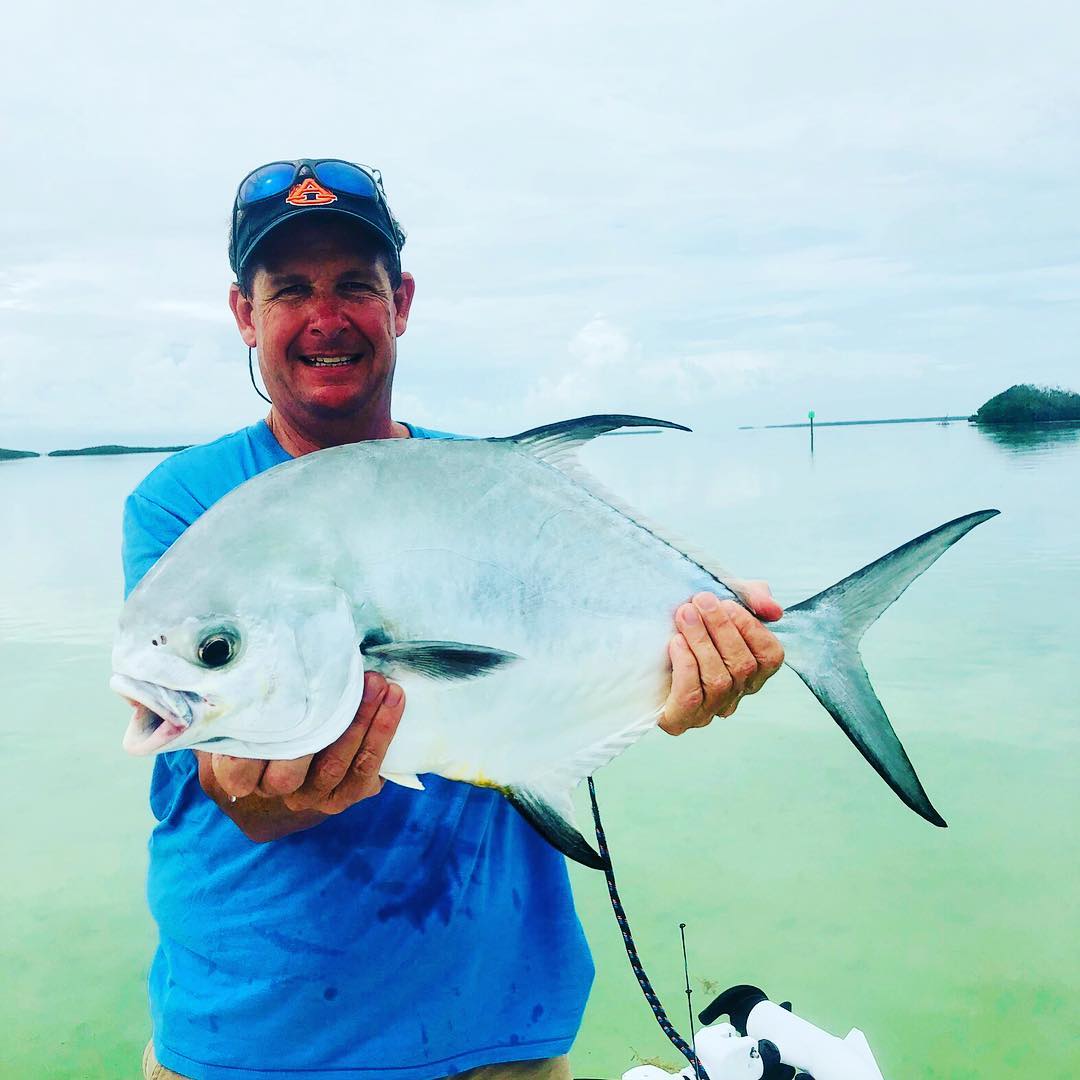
[525, 615]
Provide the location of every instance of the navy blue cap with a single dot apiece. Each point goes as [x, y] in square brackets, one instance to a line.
[312, 186]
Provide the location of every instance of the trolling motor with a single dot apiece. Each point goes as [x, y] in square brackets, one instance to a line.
[766, 1041]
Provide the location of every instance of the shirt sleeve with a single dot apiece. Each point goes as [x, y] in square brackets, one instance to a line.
[149, 531]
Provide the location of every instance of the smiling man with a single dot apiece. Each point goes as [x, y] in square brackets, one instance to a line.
[308, 929]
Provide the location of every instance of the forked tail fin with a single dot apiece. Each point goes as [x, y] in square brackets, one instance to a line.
[821, 643]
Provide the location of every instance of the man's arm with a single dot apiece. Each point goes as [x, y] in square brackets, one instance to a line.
[271, 799]
[720, 654]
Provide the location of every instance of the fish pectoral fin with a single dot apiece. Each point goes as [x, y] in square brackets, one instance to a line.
[552, 818]
[450, 660]
[409, 780]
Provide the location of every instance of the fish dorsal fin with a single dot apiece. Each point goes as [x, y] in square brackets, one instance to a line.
[557, 445]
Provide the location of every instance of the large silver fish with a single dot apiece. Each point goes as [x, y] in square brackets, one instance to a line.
[524, 612]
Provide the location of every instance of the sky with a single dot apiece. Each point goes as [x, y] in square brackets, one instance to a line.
[716, 213]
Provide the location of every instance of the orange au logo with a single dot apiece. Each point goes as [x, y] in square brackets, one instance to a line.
[310, 192]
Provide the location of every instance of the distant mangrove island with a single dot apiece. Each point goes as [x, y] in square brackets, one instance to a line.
[113, 448]
[1027, 404]
[91, 451]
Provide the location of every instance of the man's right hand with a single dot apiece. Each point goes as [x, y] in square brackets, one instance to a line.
[270, 799]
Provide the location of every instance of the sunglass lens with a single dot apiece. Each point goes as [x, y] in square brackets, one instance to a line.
[269, 180]
[343, 177]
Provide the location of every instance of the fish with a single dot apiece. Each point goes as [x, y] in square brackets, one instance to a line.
[524, 610]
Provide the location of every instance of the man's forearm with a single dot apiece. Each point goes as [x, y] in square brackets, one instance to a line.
[259, 818]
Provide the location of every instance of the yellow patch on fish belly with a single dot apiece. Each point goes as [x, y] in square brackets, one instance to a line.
[480, 780]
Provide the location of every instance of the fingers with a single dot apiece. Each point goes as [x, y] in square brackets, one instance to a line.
[283, 777]
[362, 779]
[348, 770]
[240, 777]
[720, 654]
[334, 779]
[237, 777]
[757, 654]
[722, 623]
[683, 708]
[767, 651]
[332, 764]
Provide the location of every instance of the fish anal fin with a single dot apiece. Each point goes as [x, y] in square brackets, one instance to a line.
[553, 820]
[595, 756]
[545, 802]
[449, 660]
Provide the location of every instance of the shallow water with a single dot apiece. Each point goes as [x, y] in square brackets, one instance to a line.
[956, 950]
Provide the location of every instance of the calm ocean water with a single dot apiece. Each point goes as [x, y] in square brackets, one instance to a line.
[957, 951]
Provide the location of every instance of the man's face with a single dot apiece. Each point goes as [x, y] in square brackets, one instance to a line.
[325, 319]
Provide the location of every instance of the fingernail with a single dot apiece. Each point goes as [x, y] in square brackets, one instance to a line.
[691, 615]
[393, 697]
[373, 688]
[708, 602]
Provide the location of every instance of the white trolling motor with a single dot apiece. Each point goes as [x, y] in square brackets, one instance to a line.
[766, 1041]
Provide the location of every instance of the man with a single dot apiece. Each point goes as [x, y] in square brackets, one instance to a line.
[308, 929]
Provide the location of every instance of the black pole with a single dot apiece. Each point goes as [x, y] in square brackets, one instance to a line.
[689, 1007]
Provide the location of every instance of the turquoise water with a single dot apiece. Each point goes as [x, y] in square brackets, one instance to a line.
[956, 950]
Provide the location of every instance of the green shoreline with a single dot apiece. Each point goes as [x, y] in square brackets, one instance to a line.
[112, 448]
[855, 423]
[91, 451]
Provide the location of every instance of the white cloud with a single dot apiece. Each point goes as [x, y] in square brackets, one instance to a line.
[758, 196]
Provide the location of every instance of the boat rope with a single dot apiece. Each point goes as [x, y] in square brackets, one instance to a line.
[666, 1026]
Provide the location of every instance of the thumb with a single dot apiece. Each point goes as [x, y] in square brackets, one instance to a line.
[760, 599]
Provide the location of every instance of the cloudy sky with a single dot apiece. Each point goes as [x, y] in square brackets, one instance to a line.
[722, 213]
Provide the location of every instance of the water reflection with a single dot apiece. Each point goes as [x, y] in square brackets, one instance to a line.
[1031, 438]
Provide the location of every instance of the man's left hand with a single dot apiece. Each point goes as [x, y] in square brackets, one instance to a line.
[720, 653]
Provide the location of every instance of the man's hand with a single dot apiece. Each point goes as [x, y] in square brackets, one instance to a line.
[720, 653]
[269, 799]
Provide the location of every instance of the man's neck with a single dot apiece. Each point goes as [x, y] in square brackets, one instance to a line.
[296, 440]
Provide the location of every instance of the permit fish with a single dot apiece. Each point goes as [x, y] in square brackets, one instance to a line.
[523, 609]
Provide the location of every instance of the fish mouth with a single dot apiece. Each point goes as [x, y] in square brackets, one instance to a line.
[161, 714]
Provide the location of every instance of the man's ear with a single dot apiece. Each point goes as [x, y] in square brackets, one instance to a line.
[242, 310]
[403, 298]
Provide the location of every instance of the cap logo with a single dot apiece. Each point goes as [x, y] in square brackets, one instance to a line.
[309, 192]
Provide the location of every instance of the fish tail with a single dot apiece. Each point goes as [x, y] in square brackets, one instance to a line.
[821, 639]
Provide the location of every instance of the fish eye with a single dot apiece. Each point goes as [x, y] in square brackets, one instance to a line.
[218, 647]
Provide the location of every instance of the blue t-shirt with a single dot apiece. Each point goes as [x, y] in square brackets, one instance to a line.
[418, 934]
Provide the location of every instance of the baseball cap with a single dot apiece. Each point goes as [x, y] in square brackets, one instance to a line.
[282, 190]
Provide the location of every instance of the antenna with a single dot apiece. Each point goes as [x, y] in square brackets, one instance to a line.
[689, 1007]
[666, 1025]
